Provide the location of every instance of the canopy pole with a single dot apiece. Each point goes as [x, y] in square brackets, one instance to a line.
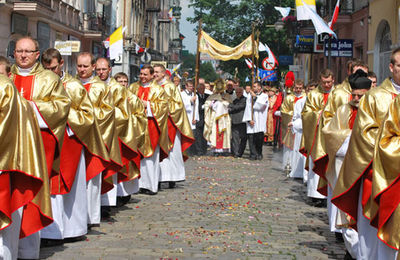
[197, 70]
[252, 68]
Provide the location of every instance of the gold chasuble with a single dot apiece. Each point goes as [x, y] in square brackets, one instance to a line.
[45, 89]
[105, 114]
[287, 114]
[339, 96]
[177, 119]
[139, 120]
[311, 116]
[86, 135]
[24, 180]
[217, 123]
[125, 131]
[357, 164]
[158, 123]
[334, 133]
[386, 178]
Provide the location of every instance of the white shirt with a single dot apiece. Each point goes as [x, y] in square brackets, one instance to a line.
[260, 113]
[297, 127]
[190, 109]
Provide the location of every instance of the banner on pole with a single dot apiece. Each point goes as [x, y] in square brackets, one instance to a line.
[219, 51]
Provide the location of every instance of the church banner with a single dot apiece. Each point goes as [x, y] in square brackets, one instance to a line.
[219, 51]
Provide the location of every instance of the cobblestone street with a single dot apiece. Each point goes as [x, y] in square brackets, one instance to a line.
[227, 209]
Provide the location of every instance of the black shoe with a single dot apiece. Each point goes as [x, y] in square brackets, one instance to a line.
[74, 239]
[252, 158]
[319, 203]
[339, 237]
[235, 156]
[348, 256]
[259, 157]
[147, 192]
[105, 212]
[122, 200]
[171, 184]
[44, 242]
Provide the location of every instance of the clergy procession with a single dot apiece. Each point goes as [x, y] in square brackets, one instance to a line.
[74, 146]
[77, 148]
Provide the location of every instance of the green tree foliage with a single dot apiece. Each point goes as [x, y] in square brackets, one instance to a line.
[206, 68]
[229, 22]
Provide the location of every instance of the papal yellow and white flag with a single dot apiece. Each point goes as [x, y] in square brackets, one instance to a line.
[302, 12]
[219, 51]
[116, 43]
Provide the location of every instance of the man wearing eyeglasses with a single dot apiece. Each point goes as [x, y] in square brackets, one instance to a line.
[47, 96]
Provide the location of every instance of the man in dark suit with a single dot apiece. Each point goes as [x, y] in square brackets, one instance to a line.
[200, 143]
[239, 136]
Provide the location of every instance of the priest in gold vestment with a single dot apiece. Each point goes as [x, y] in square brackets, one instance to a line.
[337, 135]
[155, 101]
[352, 193]
[339, 96]
[217, 122]
[385, 177]
[179, 131]
[46, 93]
[125, 130]
[287, 110]
[83, 155]
[25, 206]
[105, 114]
[311, 118]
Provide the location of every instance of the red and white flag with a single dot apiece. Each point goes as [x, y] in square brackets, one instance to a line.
[248, 63]
[335, 15]
[138, 49]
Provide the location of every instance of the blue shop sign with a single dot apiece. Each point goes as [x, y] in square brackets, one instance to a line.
[339, 47]
[285, 60]
[304, 44]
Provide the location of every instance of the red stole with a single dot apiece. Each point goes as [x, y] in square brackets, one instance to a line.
[172, 129]
[25, 85]
[154, 131]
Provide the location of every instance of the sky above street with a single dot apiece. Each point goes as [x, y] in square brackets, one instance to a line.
[186, 28]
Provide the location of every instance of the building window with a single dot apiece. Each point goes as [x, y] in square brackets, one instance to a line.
[385, 44]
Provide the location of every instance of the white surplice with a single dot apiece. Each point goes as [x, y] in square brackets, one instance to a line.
[173, 167]
[150, 171]
[298, 160]
[312, 182]
[9, 237]
[75, 205]
[260, 113]
[190, 108]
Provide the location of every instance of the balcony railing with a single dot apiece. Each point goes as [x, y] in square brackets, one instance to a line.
[46, 3]
[153, 6]
[163, 17]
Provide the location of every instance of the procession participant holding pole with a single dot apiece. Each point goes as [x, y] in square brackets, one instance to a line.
[255, 115]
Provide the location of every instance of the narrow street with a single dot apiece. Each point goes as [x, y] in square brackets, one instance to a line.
[227, 209]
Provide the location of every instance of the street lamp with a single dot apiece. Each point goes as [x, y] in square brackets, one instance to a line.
[279, 25]
[104, 2]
